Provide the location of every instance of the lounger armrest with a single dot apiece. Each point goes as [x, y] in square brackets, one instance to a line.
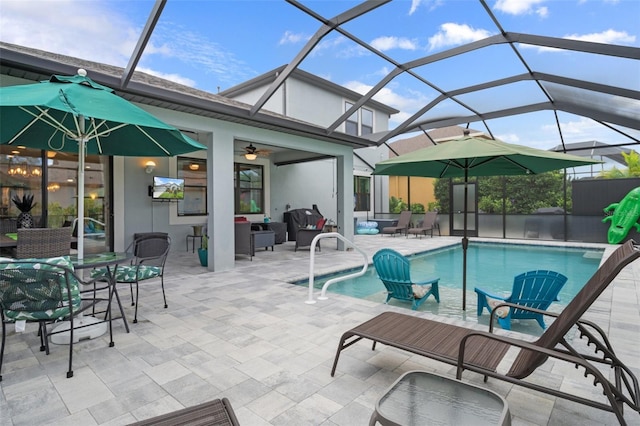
[433, 280]
[487, 294]
[564, 356]
[615, 392]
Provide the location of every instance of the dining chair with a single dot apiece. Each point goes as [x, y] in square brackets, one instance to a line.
[150, 251]
[43, 242]
[45, 291]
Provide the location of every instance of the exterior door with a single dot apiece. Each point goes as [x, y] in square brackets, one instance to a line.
[456, 226]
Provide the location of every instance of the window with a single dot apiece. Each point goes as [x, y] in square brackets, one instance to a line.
[367, 121]
[361, 193]
[194, 173]
[249, 188]
[351, 125]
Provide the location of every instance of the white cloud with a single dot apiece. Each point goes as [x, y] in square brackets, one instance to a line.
[542, 12]
[88, 31]
[451, 34]
[98, 31]
[609, 36]
[292, 38]
[517, 7]
[388, 43]
[414, 6]
[509, 138]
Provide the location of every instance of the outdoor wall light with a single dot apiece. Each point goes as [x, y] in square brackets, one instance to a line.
[149, 166]
[250, 156]
[194, 166]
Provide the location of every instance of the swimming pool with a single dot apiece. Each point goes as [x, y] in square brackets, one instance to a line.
[491, 266]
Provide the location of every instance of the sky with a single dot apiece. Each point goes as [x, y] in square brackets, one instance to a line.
[213, 45]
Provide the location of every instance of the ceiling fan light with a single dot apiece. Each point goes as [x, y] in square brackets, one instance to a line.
[250, 156]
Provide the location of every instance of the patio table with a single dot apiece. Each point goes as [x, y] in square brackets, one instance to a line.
[420, 398]
[110, 261]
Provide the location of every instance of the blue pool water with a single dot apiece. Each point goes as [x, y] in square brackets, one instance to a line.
[490, 266]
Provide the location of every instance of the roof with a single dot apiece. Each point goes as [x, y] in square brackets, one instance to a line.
[424, 140]
[593, 149]
[146, 89]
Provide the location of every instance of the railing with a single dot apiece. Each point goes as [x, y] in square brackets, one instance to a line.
[332, 280]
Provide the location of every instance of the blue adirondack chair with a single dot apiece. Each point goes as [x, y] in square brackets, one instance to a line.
[533, 289]
[394, 271]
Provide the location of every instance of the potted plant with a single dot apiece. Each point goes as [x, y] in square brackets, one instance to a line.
[203, 251]
[25, 219]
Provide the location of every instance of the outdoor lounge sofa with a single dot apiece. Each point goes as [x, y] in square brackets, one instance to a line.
[482, 351]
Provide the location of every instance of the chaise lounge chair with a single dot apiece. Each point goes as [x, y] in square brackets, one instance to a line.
[395, 273]
[401, 227]
[429, 222]
[482, 351]
[533, 289]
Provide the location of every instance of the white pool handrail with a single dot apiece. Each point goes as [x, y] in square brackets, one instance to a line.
[332, 280]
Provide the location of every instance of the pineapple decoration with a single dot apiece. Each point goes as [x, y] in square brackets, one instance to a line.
[25, 219]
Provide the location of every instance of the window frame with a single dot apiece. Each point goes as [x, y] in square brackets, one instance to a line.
[352, 120]
[237, 189]
[359, 197]
[192, 190]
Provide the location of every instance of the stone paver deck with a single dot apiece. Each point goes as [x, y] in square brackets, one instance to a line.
[248, 335]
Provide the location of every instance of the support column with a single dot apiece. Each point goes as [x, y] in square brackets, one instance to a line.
[220, 199]
[344, 171]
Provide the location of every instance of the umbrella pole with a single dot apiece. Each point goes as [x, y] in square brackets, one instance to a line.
[81, 153]
[465, 244]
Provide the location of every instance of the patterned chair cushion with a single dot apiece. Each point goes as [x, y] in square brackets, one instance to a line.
[420, 290]
[127, 274]
[502, 311]
[42, 305]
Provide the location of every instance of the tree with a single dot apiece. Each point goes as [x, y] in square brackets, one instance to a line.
[632, 159]
[396, 205]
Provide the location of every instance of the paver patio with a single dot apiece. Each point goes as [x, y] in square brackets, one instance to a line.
[247, 335]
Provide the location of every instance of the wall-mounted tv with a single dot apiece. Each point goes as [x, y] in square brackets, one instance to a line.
[166, 188]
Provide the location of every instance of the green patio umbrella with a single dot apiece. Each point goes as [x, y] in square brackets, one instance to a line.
[76, 114]
[473, 156]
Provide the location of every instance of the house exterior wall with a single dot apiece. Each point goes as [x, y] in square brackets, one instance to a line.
[221, 191]
[301, 100]
[418, 190]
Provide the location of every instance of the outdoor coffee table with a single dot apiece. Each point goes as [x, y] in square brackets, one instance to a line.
[420, 398]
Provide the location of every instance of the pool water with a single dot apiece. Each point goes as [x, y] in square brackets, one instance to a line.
[490, 266]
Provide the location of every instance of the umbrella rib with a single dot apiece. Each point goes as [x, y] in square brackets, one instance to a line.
[153, 140]
[50, 121]
[493, 159]
[448, 164]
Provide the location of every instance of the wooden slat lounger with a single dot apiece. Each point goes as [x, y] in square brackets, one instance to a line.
[482, 351]
[212, 413]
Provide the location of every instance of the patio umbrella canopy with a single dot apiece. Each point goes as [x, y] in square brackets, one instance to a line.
[76, 114]
[473, 156]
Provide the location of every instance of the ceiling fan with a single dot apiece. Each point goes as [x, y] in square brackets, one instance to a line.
[251, 152]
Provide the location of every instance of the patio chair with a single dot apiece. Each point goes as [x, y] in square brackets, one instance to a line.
[429, 222]
[44, 291]
[217, 412]
[401, 227]
[533, 289]
[482, 351]
[394, 271]
[242, 239]
[305, 236]
[43, 242]
[150, 251]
